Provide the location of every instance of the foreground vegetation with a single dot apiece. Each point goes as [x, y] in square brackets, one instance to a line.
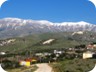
[23, 69]
[26, 47]
[75, 65]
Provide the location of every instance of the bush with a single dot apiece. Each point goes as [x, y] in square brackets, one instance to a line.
[75, 65]
[7, 64]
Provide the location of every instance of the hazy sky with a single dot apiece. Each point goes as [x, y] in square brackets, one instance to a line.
[52, 10]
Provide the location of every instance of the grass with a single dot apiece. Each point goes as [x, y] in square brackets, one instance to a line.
[75, 65]
[23, 69]
[32, 42]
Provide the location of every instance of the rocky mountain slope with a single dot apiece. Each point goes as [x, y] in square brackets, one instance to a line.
[10, 27]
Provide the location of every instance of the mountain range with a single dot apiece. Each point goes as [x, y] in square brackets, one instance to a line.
[12, 27]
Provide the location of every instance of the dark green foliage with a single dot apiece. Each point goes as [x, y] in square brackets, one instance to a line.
[34, 42]
[75, 65]
[7, 64]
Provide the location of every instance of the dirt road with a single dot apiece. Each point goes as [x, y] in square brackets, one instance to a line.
[44, 67]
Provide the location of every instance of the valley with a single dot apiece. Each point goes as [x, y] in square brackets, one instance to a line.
[24, 43]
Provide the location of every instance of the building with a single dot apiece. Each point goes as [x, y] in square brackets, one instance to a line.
[87, 55]
[25, 63]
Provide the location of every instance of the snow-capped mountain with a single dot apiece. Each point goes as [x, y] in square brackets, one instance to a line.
[10, 27]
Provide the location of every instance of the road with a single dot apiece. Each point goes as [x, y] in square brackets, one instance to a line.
[44, 67]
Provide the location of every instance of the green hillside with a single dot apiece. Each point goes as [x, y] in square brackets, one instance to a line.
[34, 42]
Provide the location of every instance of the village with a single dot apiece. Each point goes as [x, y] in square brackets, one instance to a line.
[8, 60]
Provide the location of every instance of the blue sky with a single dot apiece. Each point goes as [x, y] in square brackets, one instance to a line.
[51, 10]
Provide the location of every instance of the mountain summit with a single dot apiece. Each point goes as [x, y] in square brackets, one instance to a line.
[10, 27]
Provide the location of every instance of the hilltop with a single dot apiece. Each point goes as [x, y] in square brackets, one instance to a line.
[35, 42]
[13, 27]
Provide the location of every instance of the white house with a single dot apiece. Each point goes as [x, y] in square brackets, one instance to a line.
[2, 53]
[87, 54]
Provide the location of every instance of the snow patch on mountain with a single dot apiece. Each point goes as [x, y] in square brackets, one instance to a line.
[16, 26]
[17, 21]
